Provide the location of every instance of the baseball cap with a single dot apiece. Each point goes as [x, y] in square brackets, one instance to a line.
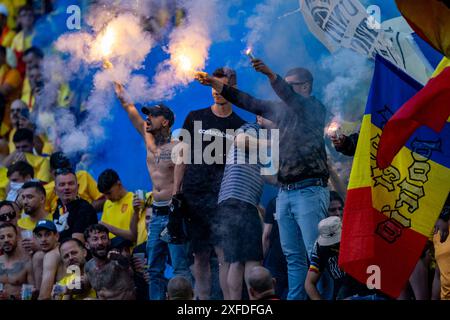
[330, 230]
[160, 110]
[45, 225]
[3, 10]
[120, 243]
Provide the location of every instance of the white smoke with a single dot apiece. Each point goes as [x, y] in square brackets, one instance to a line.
[126, 48]
[350, 75]
[190, 41]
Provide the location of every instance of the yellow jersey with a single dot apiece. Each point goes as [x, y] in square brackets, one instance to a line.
[47, 148]
[41, 166]
[3, 182]
[70, 279]
[26, 223]
[6, 37]
[21, 42]
[87, 190]
[64, 98]
[119, 214]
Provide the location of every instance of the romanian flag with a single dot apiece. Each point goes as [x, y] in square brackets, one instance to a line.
[390, 214]
[430, 19]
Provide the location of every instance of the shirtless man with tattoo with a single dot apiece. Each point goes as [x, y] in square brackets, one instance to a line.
[15, 265]
[108, 272]
[159, 144]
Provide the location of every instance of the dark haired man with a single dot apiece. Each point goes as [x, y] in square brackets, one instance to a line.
[156, 132]
[8, 212]
[118, 210]
[199, 175]
[15, 266]
[33, 199]
[303, 198]
[18, 173]
[47, 266]
[108, 272]
[22, 40]
[24, 141]
[336, 207]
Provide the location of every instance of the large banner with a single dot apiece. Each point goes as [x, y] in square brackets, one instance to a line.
[346, 24]
[390, 213]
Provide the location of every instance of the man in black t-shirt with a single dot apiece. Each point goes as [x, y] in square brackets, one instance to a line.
[208, 134]
[73, 214]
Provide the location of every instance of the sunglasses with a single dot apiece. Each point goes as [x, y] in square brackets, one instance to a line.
[7, 216]
[297, 83]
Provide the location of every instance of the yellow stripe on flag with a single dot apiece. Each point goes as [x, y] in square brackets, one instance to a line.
[409, 188]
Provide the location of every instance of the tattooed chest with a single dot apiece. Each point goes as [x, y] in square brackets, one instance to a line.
[12, 273]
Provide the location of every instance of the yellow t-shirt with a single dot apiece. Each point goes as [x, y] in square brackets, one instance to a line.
[87, 189]
[7, 36]
[70, 278]
[46, 149]
[12, 77]
[41, 166]
[64, 98]
[119, 214]
[3, 182]
[21, 43]
[27, 224]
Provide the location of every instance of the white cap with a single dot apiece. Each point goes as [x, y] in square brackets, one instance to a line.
[330, 230]
[3, 10]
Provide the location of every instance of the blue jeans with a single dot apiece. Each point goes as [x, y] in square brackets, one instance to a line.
[299, 213]
[157, 252]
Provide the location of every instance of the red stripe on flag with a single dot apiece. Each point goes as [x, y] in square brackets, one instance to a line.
[429, 107]
[362, 246]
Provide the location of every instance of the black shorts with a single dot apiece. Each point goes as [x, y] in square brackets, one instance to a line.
[238, 228]
[200, 210]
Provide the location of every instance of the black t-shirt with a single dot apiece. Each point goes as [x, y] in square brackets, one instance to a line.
[78, 215]
[209, 135]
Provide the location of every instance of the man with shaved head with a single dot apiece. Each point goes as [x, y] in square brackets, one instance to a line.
[179, 288]
[261, 285]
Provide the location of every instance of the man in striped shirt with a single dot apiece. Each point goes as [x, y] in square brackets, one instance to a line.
[238, 226]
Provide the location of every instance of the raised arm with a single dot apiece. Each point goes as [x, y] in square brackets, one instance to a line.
[283, 90]
[131, 110]
[239, 98]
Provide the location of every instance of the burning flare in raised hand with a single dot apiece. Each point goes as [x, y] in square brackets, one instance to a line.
[249, 53]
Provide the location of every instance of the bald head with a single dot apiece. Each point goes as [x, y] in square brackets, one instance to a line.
[260, 282]
[180, 288]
